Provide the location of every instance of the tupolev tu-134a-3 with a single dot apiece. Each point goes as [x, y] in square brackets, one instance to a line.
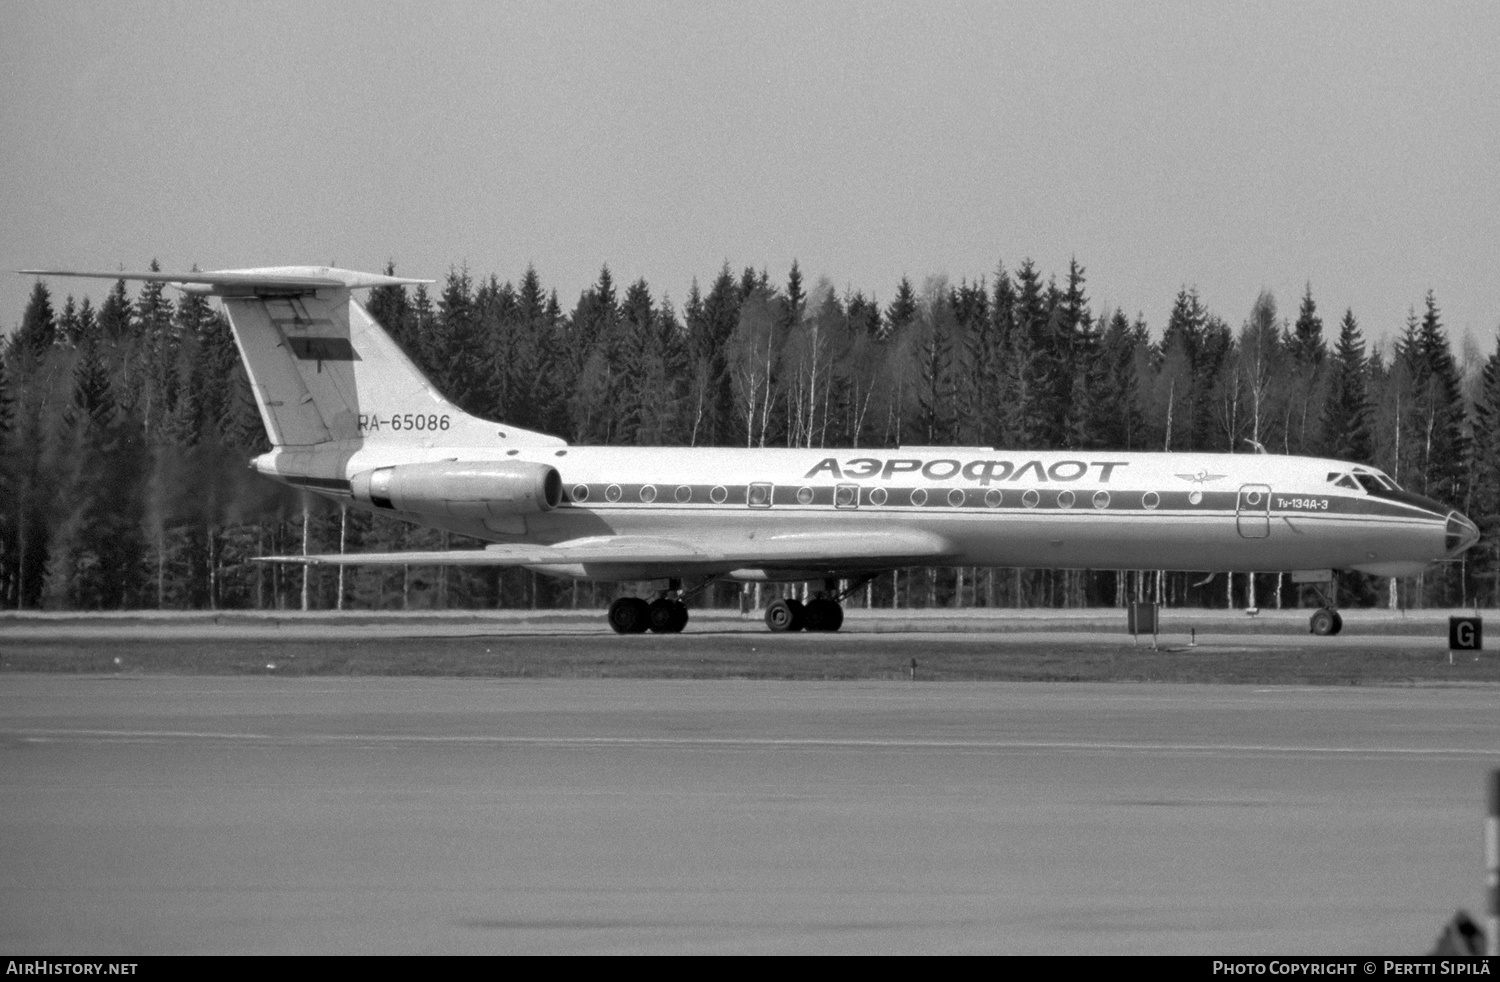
[351, 418]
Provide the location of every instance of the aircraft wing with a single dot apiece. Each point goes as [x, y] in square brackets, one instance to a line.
[819, 549]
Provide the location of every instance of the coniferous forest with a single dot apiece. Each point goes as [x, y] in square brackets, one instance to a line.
[127, 424]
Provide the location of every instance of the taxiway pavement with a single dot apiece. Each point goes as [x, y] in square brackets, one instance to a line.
[161, 814]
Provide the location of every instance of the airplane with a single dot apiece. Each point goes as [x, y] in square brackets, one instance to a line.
[351, 418]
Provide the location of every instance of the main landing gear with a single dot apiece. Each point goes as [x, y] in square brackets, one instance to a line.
[667, 614]
[822, 613]
[818, 614]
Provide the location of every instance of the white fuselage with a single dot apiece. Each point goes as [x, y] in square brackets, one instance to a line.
[1067, 509]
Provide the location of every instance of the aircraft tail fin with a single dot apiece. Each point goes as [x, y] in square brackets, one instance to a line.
[322, 370]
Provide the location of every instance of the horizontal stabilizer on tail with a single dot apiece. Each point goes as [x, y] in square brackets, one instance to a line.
[274, 281]
[774, 550]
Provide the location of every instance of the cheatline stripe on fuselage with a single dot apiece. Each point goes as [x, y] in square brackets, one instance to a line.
[797, 499]
[602, 496]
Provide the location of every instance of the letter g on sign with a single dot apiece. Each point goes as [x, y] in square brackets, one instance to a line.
[1465, 633]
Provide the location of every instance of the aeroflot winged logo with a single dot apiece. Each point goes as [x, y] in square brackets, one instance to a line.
[982, 471]
[1202, 477]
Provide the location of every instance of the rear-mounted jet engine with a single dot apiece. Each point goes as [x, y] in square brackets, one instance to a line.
[474, 489]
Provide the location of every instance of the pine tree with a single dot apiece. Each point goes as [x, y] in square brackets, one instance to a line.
[68, 328]
[389, 307]
[115, 314]
[1038, 418]
[710, 322]
[159, 340]
[7, 408]
[1347, 411]
[1212, 373]
[153, 309]
[38, 329]
[751, 281]
[1306, 343]
[1123, 348]
[1195, 349]
[795, 299]
[1308, 383]
[936, 380]
[1433, 448]
[530, 374]
[1185, 325]
[88, 323]
[32, 484]
[596, 346]
[194, 315]
[1485, 503]
[976, 363]
[903, 308]
[1083, 368]
[1098, 412]
[219, 366]
[93, 397]
[93, 550]
[8, 499]
[1438, 411]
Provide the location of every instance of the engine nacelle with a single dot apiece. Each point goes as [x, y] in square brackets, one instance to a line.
[462, 488]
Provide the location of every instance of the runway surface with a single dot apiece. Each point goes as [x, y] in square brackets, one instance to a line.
[1374, 626]
[159, 814]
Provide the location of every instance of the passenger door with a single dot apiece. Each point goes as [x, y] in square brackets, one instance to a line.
[1252, 513]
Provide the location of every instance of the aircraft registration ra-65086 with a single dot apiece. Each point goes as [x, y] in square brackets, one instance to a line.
[350, 417]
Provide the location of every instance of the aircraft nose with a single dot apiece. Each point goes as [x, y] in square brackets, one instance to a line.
[1462, 534]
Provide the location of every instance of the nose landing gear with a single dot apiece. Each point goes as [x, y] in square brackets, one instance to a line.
[1326, 620]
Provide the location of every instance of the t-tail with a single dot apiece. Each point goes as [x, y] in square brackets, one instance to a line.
[324, 373]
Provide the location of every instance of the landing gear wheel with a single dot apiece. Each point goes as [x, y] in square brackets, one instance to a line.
[824, 615]
[667, 616]
[784, 615]
[1338, 622]
[629, 615]
[1325, 622]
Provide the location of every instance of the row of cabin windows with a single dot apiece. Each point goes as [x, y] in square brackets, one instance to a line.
[847, 496]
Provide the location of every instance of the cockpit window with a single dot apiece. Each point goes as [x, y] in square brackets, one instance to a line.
[1370, 483]
[1343, 481]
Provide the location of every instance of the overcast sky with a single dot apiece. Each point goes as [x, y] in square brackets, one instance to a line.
[1227, 146]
